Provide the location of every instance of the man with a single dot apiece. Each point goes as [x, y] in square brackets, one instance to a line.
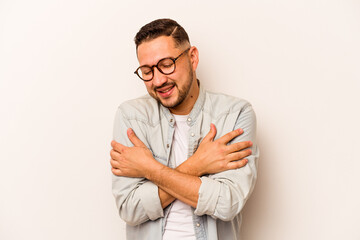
[173, 177]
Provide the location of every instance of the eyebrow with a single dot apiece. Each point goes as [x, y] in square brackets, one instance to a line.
[147, 65]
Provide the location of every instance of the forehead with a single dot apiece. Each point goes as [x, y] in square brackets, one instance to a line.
[150, 52]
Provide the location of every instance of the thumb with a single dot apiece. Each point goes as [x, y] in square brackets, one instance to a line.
[212, 133]
[134, 139]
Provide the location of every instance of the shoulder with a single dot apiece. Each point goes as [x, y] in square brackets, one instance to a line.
[223, 103]
[141, 108]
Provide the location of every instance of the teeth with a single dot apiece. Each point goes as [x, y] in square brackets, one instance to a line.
[166, 90]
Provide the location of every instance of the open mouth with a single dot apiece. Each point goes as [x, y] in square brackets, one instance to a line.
[165, 91]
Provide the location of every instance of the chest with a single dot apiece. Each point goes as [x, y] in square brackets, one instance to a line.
[160, 137]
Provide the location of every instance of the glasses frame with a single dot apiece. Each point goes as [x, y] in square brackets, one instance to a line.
[157, 66]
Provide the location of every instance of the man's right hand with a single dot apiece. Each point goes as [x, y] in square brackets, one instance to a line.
[217, 156]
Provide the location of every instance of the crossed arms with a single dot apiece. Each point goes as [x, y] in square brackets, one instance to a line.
[216, 180]
[182, 183]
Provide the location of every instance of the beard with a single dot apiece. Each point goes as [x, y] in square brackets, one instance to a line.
[183, 92]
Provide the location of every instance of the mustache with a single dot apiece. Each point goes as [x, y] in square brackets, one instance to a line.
[165, 85]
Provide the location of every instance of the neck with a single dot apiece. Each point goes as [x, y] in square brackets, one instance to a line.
[186, 106]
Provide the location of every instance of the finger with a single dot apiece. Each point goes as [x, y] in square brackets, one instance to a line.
[117, 146]
[211, 134]
[134, 139]
[239, 155]
[237, 164]
[114, 164]
[231, 135]
[116, 172]
[235, 147]
[114, 154]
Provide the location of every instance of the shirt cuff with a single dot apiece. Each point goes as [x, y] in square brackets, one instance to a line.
[208, 196]
[149, 198]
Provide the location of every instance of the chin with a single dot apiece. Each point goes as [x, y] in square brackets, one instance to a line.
[169, 104]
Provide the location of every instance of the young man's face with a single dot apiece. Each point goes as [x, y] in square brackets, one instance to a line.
[177, 90]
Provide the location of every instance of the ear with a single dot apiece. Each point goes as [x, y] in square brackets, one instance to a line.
[194, 57]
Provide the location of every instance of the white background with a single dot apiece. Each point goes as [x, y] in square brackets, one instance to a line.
[65, 66]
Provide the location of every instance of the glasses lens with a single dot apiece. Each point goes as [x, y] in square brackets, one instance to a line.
[145, 73]
[166, 66]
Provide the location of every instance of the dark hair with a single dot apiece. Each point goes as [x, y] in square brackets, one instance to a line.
[162, 27]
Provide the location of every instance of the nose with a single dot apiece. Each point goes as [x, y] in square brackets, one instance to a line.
[159, 79]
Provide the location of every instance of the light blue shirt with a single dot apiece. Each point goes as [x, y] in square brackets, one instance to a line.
[221, 196]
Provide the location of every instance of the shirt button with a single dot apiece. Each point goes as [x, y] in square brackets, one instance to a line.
[167, 145]
[198, 224]
[171, 120]
[192, 134]
[189, 119]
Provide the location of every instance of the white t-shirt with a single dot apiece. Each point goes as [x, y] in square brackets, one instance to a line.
[179, 224]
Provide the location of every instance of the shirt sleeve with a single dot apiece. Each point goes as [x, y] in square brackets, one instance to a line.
[137, 199]
[224, 194]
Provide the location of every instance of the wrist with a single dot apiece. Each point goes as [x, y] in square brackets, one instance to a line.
[189, 167]
[153, 170]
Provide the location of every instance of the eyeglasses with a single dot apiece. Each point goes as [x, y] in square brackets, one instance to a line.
[166, 66]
